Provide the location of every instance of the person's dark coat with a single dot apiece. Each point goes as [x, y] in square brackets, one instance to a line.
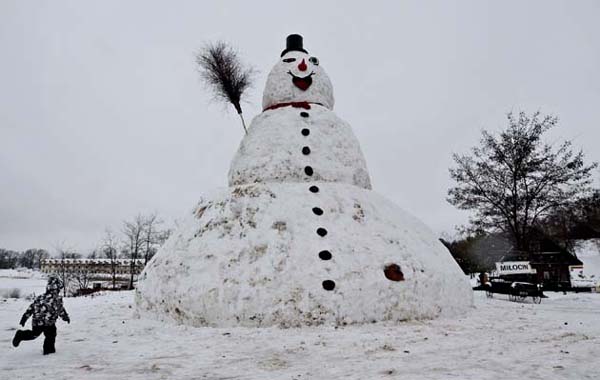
[45, 309]
[48, 307]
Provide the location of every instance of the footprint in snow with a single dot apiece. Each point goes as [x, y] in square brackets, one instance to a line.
[273, 363]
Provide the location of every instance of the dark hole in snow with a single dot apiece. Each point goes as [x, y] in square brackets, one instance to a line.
[305, 132]
[304, 114]
[393, 273]
[328, 285]
[317, 211]
[306, 150]
[308, 170]
[321, 231]
[313, 189]
[325, 255]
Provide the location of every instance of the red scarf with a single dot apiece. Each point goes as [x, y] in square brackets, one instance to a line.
[305, 105]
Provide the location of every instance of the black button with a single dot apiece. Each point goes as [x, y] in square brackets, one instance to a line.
[304, 114]
[306, 150]
[317, 211]
[328, 285]
[321, 231]
[308, 170]
[313, 189]
[305, 132]
[325, 255]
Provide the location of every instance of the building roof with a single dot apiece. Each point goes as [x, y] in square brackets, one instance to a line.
[562, 257]
[88, 261]
[555, 258]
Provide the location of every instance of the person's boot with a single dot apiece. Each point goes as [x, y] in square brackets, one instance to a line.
[49, 351]
[17, 339]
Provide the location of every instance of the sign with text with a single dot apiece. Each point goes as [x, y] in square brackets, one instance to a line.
[514, 267]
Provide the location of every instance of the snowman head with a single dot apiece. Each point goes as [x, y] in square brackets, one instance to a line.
[297, 77]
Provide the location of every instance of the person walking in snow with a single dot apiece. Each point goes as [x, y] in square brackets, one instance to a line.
[46, 309]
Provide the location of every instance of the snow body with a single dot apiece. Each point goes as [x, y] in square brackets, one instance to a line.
[273, 149]
[299, 238]
[248, 255]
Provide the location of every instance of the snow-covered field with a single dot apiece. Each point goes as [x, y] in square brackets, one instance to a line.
[498, 339]
[27, 282]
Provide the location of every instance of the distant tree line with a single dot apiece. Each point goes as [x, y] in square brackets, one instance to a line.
[139, 238]
[575, 221]
[30, 258]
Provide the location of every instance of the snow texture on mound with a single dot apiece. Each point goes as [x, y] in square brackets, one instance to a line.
[274, 149]
[250, 256]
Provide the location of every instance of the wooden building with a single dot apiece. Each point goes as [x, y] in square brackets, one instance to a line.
[551, 261]
[552, 269]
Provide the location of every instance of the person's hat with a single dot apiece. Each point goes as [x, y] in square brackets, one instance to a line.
[54, 284]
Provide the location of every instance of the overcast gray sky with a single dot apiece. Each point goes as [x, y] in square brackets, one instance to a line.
[102, 114]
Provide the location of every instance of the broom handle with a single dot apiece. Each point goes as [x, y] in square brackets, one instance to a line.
[243, 122]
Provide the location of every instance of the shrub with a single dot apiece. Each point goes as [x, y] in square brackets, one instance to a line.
[11, 293]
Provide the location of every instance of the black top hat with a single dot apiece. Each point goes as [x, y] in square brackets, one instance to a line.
[293, 42]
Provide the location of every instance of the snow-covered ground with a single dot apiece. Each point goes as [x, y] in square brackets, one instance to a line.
[27, 282]
[498, 339]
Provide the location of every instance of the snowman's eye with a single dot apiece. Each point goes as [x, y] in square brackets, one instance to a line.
[288, 60]
[314, 61]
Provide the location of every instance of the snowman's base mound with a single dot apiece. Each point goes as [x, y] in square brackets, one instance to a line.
[251, 256]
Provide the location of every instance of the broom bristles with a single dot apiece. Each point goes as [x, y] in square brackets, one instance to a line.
[222, 71]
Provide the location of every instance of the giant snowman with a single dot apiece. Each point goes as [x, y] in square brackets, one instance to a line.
[299, 238]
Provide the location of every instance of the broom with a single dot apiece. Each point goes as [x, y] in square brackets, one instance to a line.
[224, 74]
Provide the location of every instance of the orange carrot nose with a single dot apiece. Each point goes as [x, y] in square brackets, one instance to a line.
[302, 66]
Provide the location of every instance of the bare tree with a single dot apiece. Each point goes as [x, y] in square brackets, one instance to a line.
[94, 254]
[82, 277]
[154, 236]
[150, 236]
[32, 258]
[63, 253]
[134, 240]
[110, 245]
[40, 254]
[27, 258]
[513, 180]
[163, 235]
[576, 220]
[8, 259]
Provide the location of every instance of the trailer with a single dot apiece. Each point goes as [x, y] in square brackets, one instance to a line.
[516, 290]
